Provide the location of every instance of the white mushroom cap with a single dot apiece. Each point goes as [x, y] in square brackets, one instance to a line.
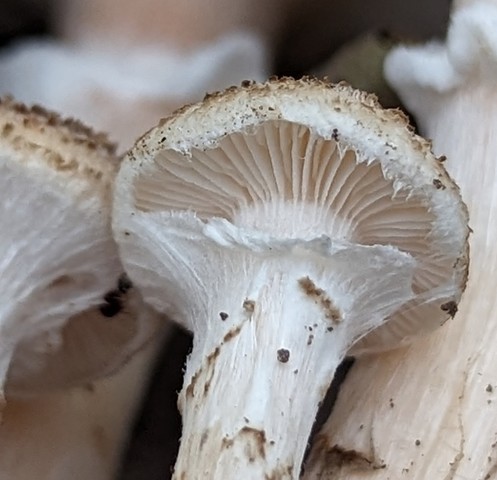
[59, 259]
[342, 168]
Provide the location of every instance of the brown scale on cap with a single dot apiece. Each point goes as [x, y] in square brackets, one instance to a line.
[64, 144]
[69, 129]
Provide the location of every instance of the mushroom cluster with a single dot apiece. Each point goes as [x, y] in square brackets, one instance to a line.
[284, 224]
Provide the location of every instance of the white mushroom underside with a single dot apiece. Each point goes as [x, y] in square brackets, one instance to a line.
[51, 254]
[89, 346]
[290, 183]
[58, 260]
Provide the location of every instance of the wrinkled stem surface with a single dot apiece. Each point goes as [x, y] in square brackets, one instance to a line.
[249, 408]
[258, 373]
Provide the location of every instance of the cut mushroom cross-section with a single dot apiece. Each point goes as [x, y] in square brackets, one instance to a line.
[284, 224]
[67, 315]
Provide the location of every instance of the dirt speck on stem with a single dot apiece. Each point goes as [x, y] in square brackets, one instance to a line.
[283, 355]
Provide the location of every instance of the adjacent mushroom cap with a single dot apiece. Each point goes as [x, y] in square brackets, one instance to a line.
[58, 257]
[296, 160]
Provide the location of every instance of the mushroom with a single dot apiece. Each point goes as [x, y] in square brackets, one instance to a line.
[443, 421]
[282, 223]
[68, 314]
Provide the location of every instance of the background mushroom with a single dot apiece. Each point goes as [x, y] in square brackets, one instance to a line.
[68, 314]
[429, 411]
[281, 223]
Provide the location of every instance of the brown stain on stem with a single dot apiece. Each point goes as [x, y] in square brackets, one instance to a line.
[231, 334]
[227, 443]
[254, 441]
[248, 305]
[333, 460]
[210, 364]
[319, 296]
[209, 368]
[260, 439]
[280, 473]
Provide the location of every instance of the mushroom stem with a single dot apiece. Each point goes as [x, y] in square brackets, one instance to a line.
[279, 338]
[249, 428]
